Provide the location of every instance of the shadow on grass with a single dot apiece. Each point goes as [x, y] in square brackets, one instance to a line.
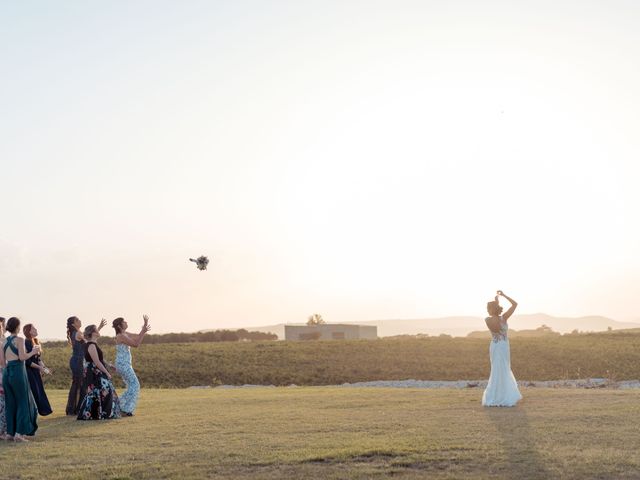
[69, 426]
[516, 436]
[53, 422]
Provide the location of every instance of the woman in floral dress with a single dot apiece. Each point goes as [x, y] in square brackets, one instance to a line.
[100, 400]
[124, 342]
[76, 363]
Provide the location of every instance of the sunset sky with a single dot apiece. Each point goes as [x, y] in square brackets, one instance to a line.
[359, 159]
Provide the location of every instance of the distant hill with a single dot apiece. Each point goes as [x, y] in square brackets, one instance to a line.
[541, 331]
[462, 326]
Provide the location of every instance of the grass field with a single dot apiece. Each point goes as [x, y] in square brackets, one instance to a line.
[615, 356]
[329, 432]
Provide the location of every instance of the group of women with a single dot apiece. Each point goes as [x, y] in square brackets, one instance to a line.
[92, 395]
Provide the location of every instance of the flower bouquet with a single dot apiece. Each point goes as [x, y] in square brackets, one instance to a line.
[201, 262]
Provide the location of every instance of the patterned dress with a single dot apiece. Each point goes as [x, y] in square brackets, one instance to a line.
[129, 399]
[100, 400]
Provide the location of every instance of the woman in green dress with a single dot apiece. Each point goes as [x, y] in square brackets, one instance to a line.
[20, 408]
[3, 417]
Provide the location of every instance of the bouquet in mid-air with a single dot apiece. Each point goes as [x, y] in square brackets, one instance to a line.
[201, 262]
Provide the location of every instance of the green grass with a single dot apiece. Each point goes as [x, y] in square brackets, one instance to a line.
[615, 356]
[328, 432]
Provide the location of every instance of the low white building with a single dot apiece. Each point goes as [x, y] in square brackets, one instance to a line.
[330, 331]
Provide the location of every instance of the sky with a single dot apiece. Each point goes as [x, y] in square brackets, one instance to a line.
[358, 159]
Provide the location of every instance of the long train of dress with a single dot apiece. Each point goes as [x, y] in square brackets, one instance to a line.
[502, 389]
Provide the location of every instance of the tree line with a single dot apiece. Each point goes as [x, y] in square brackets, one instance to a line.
[195, 337]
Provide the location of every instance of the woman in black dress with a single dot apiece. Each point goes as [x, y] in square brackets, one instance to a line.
[35, 369]
[76, 362]
[100, 400]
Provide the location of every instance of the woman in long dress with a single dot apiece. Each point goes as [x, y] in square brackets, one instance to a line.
[35, 369]
[100, 401]
[76, 362]
[125, 340]
[3, 417]
[20, 408]
[502, 389]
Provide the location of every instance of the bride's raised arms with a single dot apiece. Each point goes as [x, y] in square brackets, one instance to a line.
[512, 308]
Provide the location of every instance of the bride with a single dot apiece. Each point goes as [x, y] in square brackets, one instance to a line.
[502, 389]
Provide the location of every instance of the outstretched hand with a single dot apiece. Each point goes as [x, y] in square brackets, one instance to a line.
[146, 327]
[500, 293]
[103, 323]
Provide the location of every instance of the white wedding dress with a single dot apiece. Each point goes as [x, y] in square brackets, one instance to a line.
[502, 389]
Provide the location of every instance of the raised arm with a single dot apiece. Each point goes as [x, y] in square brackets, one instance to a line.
[145, 328]
[103, 322]
[134, 340]
[129, 339]
[506, 315]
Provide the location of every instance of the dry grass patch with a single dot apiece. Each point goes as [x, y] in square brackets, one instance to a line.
[334, 362]
[328, 432]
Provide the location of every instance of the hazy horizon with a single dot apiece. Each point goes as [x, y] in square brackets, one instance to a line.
[456, 325]
[358, 160]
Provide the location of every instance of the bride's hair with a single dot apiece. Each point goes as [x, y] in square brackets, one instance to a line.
[494, 308]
